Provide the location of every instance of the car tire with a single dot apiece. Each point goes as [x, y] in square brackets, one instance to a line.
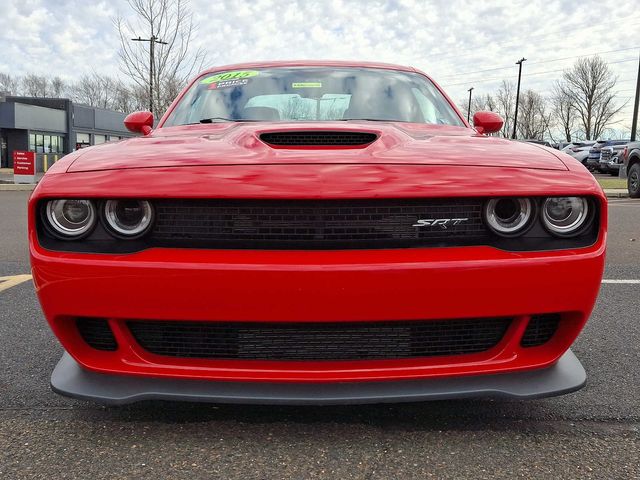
[633, 180]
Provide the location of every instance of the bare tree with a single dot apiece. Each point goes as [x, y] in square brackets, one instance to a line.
[483, 102]
[564, 115]
[505, 105]
[34, 85]
[9, 84]
[589, 86]
[94, 90]
[174, 62]
[57, 87]
[534, 119]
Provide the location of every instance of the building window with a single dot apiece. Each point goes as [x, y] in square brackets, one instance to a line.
[54, 144]
[39, 143]
[82, 140]
[32, 142]
[98, 139]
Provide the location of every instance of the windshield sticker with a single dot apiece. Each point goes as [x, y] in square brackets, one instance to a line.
[306, 85]
[228, 83]
[229, 76]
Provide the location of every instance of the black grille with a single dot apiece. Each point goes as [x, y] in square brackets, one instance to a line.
[318, 341]
[97, 333]
[540, 329]
[323, 224]
[312, 138]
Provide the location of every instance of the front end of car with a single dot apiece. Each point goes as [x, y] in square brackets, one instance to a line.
[317, 283]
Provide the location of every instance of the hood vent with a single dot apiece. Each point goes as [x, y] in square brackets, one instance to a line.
[318, 139]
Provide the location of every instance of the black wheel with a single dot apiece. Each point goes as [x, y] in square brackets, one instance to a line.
[633, 180]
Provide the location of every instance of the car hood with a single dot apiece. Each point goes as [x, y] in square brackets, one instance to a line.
[240, 144]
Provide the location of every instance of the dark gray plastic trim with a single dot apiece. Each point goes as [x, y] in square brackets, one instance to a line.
[70, 379]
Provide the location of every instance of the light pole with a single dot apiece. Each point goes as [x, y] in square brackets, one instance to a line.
[515, 115]
[469, 108]
[152, 42]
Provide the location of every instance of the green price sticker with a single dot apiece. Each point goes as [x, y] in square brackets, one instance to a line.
[220, 77]
[307, 85]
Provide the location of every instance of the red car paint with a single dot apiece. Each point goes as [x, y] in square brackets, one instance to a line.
[229, 161]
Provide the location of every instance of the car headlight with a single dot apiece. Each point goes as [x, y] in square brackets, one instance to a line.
[70, 218]
[128, 218]
[509, 216]
[565, 216]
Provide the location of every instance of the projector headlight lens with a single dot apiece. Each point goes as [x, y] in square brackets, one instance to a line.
[565, 216]
[509, 216]
[128, 218]
[71, 218]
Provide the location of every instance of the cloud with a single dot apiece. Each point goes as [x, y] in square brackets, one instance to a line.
[453, 40]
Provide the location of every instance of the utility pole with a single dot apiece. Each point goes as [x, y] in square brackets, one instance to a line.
[152, 43]
[515, 115]
[469, 109]
[634, 122]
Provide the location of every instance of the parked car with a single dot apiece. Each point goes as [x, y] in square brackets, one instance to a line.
[631, 168]
[593, 160]
[579, 150]
[537, 142]
[315, 233]
[611, 157]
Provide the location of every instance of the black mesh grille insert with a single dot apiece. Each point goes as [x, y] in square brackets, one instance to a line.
[540, 329]
[319, 138]
[311, 224]
[318, 341]
[97, 333]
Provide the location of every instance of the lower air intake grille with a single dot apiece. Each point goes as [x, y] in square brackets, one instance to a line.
[540, 330]
[97, 333]
[318, 341]
[315, 138]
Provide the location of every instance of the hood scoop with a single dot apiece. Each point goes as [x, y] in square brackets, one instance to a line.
[318, 138]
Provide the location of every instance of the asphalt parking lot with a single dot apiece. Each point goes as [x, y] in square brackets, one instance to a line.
[594, 433]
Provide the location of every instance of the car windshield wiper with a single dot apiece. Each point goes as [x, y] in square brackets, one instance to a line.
[368, 119]
[224, 119]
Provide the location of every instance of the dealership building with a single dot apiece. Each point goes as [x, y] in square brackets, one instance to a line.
[53, 127]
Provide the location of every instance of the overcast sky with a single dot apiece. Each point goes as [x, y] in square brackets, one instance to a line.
[451, 39]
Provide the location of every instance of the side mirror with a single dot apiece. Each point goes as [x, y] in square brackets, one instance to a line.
[487, 122]
[139, 122]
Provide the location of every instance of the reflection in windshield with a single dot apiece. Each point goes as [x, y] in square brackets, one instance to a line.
[313, 94]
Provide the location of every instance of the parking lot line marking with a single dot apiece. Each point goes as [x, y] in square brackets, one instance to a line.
[610, 280]
[12, 281]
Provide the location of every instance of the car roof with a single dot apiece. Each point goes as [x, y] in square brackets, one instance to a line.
[310, 63]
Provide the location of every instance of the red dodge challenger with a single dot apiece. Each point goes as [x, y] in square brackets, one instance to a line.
[316, 233]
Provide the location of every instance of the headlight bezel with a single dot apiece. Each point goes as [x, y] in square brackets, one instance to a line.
[58, 229]
[110, 220]
[528, 216]
[574, 229]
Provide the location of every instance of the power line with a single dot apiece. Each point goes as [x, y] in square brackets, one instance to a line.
[543, 61]
[486, 80]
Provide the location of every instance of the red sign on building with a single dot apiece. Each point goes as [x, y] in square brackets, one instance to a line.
[24, 166]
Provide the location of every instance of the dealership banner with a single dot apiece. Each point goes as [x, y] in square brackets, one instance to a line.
[24, 167]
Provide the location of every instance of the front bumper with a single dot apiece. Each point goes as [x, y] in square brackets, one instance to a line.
[70, 379]
[318, 286]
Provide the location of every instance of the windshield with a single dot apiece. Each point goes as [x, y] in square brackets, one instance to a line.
[313, 94]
